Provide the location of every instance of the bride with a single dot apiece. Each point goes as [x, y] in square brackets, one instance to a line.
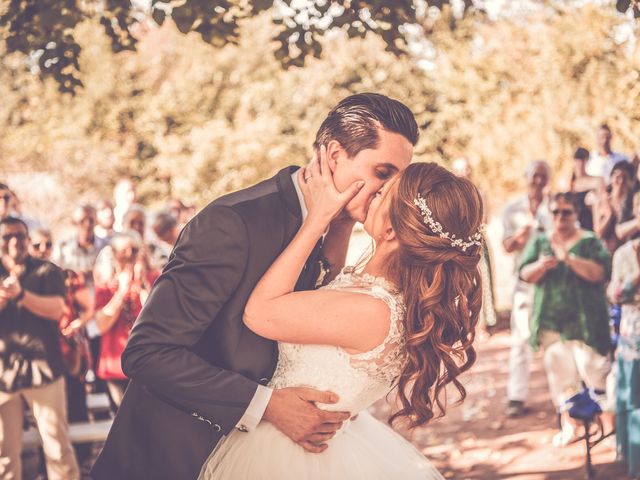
[407, 320]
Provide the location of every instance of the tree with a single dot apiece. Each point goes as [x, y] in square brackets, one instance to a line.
[45, 30]
[201, 124]
[633, 6]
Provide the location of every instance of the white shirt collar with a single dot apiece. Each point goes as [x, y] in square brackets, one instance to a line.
[303, 206]
[296, 184]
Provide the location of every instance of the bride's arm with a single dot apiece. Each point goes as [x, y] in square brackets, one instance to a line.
[275, 311]
[354, 321]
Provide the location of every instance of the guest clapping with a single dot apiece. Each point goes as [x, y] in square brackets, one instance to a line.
[135, 220]
[79, 296]
[570, 319]
[119, 299]
[613, 207]
[522, 219]
[80, 251]
[584, 187]
[73, 341]
[31, 367]
[628, 225]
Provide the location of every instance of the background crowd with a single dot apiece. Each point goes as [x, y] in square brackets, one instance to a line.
[66, 308]
[67, 304]
[569, 301]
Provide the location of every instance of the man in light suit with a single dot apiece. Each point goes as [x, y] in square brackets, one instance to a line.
[196, 371]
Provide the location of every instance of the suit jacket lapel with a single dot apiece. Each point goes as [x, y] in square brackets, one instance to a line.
[287, 190]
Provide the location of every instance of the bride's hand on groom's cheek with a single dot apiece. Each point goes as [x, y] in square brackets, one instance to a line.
[323, 200]
[293, 412]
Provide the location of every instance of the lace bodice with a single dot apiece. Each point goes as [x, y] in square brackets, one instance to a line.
[358, 379]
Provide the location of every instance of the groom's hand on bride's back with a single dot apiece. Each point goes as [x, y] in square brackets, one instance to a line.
[294, 413]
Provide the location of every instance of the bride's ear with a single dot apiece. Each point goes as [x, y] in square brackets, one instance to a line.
[389, 234]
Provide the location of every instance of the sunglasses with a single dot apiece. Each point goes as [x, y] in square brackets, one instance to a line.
[18, 236]
[6, 197]
[47, 245]
[563, 212]
[133, 250]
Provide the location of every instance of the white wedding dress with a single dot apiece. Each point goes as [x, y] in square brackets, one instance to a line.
[365, 448]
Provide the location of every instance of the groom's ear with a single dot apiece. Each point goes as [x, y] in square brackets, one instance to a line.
[335, 153]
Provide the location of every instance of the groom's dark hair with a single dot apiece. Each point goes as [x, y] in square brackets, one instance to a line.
[354, 122]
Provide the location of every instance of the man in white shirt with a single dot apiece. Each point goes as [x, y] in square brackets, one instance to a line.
[523, 218]
[604, 158]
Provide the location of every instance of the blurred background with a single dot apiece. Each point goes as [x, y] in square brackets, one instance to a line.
[184, 101]
[521, 81]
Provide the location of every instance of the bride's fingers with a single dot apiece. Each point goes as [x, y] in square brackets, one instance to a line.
[314, 159]
[314, 168]
[352, 191]
[328, 427]
[318, 438]
[324, 164]
[304, 185]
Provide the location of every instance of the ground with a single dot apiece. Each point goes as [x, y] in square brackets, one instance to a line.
[476, 440]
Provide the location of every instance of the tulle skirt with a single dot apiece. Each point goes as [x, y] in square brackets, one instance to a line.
[366, 449]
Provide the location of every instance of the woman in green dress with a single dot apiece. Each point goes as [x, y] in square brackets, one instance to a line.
[570, 319]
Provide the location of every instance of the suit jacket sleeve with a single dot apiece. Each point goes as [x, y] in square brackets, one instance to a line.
[205, 268]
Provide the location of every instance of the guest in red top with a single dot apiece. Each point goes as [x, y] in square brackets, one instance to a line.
[120, 293]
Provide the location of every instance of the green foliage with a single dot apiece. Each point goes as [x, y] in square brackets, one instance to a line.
[194, 121]
[44, 31]
[48, 27]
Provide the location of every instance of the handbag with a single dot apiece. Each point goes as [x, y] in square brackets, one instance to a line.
[76, 353]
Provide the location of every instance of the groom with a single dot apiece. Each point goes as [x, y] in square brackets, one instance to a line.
[197, 373]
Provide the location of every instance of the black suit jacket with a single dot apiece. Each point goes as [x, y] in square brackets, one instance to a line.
[194, 366]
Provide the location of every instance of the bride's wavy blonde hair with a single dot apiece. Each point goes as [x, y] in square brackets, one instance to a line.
[440, 284]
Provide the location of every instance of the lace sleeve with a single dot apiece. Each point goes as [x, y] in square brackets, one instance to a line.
[385, 361]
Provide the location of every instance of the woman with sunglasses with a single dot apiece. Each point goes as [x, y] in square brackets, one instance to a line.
[41, 244]
[73, 341]
[119, 296]
[570, 320]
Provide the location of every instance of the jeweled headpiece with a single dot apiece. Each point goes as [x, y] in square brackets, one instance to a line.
[436, 227]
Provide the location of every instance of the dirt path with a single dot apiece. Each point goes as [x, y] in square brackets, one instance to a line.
[477, 441]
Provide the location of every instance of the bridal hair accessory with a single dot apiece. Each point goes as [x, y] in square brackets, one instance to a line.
[436, 227]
